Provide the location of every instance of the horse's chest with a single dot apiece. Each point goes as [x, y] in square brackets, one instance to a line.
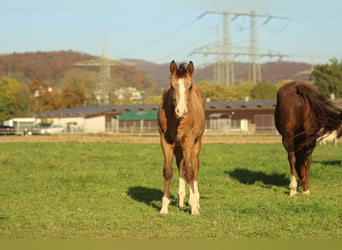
[185, 130]
[178, 133]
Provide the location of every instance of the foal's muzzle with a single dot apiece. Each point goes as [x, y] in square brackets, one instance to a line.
[181, 112]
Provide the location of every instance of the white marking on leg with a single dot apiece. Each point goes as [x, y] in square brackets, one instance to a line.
[293, 185]
[181, 192]
[165, 204]
[194, 199]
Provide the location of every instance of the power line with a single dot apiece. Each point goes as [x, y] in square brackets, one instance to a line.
[160, 38]
[226, 49]
[187, 47]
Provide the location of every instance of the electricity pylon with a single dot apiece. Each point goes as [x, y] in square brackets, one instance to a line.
[104, 65]
[228, 49]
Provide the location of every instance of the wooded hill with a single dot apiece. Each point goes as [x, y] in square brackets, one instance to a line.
[272, 72]
[51, 67]
[144, 75]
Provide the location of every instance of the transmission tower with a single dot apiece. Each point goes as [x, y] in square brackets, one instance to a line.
[227, 44]
[229, 50]
[104, 65]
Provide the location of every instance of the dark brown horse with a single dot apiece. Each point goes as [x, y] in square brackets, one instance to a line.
[181, 123]
[302, 116]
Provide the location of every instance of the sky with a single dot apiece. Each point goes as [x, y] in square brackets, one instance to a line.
[160, 31]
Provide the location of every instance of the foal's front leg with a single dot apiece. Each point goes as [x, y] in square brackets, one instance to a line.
[191, 173]
[167, 173]
[181, 184]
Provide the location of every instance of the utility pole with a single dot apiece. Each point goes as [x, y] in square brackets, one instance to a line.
[217, 69]
[105, 74]
[228, 49]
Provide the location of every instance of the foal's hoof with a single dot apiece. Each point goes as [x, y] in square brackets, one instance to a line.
[196, 212]
[164, 211]
[293, 193]
[306, 192]
[165, 204]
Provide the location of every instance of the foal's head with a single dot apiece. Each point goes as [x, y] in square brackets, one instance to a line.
[181, 85]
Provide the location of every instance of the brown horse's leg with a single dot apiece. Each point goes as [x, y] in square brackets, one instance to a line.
[306, 171]
[300, 168]
[293, 180]
[181, 186]
[167, 173]
[289, 146]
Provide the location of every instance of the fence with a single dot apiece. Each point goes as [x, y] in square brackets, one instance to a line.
[262, 124]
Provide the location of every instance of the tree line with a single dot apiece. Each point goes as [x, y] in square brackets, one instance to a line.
[45, 81]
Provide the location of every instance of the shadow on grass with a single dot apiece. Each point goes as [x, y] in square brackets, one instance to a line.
[333, 163]
[150, 196]
[249, 177]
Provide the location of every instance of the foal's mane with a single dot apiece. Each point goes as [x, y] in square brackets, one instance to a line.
[182, 70]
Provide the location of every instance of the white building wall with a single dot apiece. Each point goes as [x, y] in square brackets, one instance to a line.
[95, 124]
[69, 123]
[80, 124]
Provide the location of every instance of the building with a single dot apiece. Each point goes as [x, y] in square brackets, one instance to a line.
[240, 116]
[221, 117]
[100, 119]
[21, 124]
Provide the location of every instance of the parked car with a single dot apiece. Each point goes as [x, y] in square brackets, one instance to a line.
[7, 130]
[47, 129]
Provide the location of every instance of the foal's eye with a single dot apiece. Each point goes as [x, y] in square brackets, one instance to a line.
[190, 86]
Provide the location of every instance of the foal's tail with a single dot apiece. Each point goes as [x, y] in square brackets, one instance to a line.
[329, 116]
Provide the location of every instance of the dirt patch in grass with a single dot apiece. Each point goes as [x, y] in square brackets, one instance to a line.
[147, 139]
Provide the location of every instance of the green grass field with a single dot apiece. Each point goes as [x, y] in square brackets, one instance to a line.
[95, 190]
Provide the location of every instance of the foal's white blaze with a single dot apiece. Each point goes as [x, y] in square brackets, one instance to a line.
[194, 199]
[181, 192]
[181, 108]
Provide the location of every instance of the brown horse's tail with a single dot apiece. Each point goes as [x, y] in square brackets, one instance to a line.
[329, 116]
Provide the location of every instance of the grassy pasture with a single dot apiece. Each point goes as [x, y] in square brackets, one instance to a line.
[100, 190]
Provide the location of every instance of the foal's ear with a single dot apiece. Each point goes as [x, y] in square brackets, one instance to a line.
[173, 67]
[190, 68]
